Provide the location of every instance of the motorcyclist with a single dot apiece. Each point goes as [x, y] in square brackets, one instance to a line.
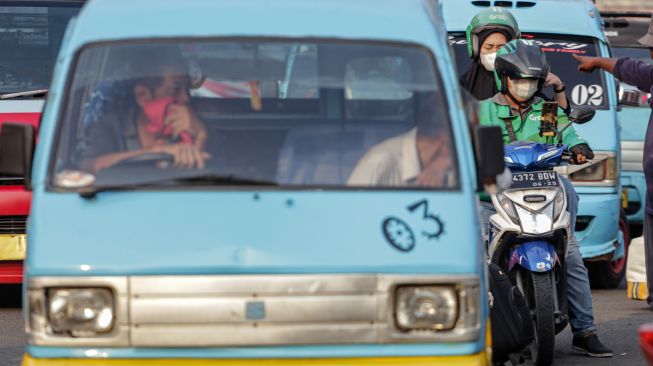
[521, 71]
[486, 33]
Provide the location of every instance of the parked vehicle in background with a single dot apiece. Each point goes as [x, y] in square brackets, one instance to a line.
[30, 35]
[274, 249]
[601, 227]
[623, 30]
[646, 341]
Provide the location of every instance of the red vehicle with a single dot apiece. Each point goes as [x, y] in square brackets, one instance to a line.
[30, 35]
[646, 341]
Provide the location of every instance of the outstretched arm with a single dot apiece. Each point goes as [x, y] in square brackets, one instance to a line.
[589, 64]
[631, 71]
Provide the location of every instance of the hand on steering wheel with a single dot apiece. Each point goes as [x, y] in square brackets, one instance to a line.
[184, 155]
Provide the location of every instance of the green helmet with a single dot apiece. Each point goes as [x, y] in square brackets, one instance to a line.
[520, 59]
[491, 18]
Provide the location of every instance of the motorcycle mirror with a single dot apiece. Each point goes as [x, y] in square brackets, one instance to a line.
[488, 143]
[580, 115]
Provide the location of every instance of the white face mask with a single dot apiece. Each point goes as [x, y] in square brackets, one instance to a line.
[487, 60]
[523, 88]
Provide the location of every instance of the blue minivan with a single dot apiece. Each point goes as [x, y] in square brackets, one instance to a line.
[239, 182]
[574, 28]
[623, 30]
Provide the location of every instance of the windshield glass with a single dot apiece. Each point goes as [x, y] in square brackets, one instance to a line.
[30, 37]
[582, 88]
[241, 112]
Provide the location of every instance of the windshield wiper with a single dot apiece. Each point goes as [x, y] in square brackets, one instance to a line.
[194, 180]
[28, 93]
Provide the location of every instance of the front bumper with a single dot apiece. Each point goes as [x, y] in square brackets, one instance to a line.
[599, 235]
[479, 359]
[11, 272]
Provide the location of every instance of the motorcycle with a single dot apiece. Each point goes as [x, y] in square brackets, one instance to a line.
[529, 233]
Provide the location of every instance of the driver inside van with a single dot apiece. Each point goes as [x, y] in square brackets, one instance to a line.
[422, 156]
[155, 116]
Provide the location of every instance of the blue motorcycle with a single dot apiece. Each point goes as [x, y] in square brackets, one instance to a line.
[529, 233]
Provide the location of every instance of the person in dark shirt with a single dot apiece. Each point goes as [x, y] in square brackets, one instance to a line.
[118, 133]
[640, 74]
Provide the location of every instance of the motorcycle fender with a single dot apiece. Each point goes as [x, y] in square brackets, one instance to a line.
[535, 256]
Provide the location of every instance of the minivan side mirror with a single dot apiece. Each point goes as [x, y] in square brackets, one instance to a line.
[489, 154]
[580, 115]
[17, 141]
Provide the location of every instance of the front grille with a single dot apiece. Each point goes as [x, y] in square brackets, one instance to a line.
[13, 224]
[223, 311]
[11, 181]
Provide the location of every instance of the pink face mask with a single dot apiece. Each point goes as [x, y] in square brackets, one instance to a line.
[156, 110]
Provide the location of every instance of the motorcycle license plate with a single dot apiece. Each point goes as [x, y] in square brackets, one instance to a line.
[534, 180]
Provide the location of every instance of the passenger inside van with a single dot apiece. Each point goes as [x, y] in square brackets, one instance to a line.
[422, 156]
[157, 117]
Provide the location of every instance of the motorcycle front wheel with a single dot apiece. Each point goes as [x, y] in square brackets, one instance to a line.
[538, 288]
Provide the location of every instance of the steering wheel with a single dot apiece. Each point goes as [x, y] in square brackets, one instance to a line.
[158, 159]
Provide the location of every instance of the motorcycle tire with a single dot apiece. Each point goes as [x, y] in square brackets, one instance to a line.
[542, 305]
[609, 274]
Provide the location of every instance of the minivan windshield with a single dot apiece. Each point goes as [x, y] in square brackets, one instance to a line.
[582, 88]
[255, 112]
[30, 36]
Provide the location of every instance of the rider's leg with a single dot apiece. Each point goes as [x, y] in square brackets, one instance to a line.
[579, 295]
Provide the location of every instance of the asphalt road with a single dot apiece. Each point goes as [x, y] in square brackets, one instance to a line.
[618, 319]
[12, 338]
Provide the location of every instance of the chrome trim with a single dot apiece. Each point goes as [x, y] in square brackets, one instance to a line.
[210, 311]
[632, 156]
[119, 336]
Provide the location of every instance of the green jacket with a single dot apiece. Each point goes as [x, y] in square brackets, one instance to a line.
[496, 111]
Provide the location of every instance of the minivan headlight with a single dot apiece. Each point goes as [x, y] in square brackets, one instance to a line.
[79, 312]
[426, 308]
[601, 171]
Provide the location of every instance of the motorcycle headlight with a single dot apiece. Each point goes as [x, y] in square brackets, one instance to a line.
[79, 312]
[539, 222]
[508, 207]
[558, 204]
[426, 308]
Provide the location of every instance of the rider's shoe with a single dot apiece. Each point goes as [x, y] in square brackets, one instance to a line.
[591, 346]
